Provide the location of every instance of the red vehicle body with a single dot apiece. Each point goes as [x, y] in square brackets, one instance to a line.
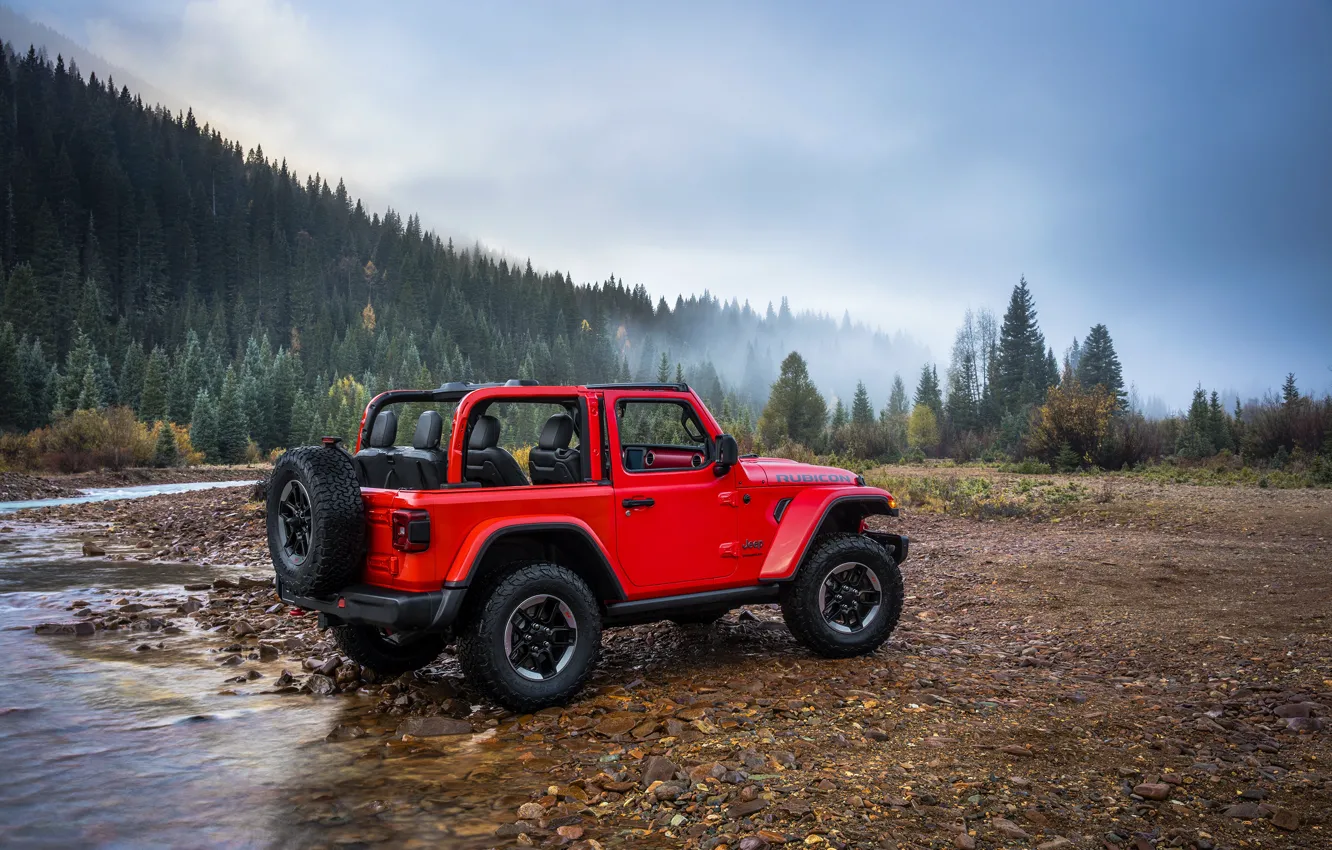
[655, 530]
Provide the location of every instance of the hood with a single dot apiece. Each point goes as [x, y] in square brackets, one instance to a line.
[778, 471]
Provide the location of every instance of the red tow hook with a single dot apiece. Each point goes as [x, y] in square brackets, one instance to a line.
[297, 612]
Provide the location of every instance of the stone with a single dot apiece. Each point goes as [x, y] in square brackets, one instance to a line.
[1295, 709]
[1055, 844]
[231, 660]
[1008, 829]
[1152, 790]
[612, 726]
[754, 842]
[1305, 724]
[330, 666]
[92, 550]
[1244, 811]
[963, 841]
[699, 774]
[658, 769]
[570, 833]
[322, 685]
[267, 652]
[531, 811]
[433, 727]
[1016, 750]
[241, 628]
[740, 810]
[1285, 819]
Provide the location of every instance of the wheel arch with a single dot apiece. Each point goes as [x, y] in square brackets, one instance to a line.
[813, 514]
[566, 541]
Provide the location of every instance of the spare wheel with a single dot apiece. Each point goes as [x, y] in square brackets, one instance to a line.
[316, 521]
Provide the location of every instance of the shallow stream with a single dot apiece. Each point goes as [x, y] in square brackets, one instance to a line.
[135, 739]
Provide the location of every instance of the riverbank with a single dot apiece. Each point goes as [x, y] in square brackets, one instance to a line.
[19, 486]
[1147, 671]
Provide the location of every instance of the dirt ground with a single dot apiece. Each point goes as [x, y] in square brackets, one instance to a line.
[1151, 667]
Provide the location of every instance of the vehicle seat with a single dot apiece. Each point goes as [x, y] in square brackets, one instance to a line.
[375, 463]
[424, 466]
[486, 461]
[552, 461]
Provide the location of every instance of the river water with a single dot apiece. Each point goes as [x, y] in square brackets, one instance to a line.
[133, 739]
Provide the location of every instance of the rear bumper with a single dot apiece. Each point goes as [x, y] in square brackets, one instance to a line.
[399, 610]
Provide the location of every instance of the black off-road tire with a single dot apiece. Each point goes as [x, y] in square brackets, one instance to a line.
[335, 539]
[800, 598]
[381, 652]
[481, 635]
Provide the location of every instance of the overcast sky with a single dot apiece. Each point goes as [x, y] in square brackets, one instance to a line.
[1164, 168]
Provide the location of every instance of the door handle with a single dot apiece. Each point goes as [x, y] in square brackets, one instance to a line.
[638, 503]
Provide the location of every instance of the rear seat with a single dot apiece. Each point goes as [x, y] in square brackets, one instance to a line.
[423, 466]
[375, 463]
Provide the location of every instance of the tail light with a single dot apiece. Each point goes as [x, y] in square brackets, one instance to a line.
[411, 530]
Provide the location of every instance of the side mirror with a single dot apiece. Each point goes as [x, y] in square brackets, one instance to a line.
[728, 453]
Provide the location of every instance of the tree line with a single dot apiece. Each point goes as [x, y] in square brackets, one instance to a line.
[151, 266]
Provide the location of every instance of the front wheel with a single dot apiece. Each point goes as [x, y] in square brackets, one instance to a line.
[846, 598]
[532, 638]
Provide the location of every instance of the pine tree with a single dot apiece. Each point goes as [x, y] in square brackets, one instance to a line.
[862, 412]
[1022, 372]
[12, 409]
[24, 306]
[165, 450]
[133, 369]
[839, 417]
[232, 430]
[153, 397]
[796, 410]
[664, 369]
[1099, 365]
[897, 401]
[90, 391]
[204, 427]
[1290, 393]
[928, 392]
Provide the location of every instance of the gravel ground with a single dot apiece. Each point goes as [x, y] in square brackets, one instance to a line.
[1151, 667]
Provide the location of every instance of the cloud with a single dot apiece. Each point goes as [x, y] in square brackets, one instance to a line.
[900, 162]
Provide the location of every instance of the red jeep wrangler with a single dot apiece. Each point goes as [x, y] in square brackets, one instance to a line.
[633, 507]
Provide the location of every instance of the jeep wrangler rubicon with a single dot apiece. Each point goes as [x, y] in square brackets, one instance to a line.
[633, 507]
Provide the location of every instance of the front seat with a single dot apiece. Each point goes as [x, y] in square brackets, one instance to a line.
[375, 462]
[486, 461]
[423, 466]
[552, 461]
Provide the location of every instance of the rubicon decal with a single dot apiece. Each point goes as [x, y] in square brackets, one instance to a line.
[815, 478]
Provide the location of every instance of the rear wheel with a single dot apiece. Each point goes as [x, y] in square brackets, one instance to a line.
[387, 653]
[532, 637]
[846, 598]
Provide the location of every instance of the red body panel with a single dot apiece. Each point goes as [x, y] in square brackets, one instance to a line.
[702, 531]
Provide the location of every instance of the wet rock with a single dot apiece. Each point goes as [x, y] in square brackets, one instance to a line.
[1055, 844]
[330, 666]
[241, 628]
[531, 811]
[268, 652]
[231, 660]
[82, 628]
[1152, 790]
[432, 727]
[658, 769]
[92, 550]
[322, 685]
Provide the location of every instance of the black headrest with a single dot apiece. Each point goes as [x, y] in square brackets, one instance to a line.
[428, 428]
[557, 432]
[485, 433]
[385, 430]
